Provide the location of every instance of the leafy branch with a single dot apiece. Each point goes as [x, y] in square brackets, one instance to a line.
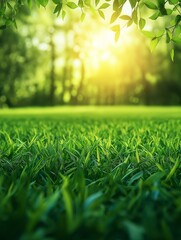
[168, 9]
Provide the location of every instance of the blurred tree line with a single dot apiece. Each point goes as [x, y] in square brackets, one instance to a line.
[48, 61]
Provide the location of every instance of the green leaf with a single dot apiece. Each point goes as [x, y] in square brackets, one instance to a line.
[134, 16]
[177, 30]
[9, 6]
[148, 34]
[72, 5]
[117, 35]
[114, 17]
[57, 1]
[30, 3]
[161, 2]
[125, 17]
[101, 14]
[155, 15]
[133, 3]
[80, 3]
[43, 2]
[169, 11]
[177, 19]
[173, 2]
[168, 35]
[129, 23]
[121, 2]
[176, 39]
[97, 2]
[154, 43]
[150, 4]
[63, 14]
[104, 5]
[142, 23]
[178, 161]
[58, 8]
[161, 6]
[87, 3]
[160, 33]
[172, 53]
[115, 28]
[116, 5]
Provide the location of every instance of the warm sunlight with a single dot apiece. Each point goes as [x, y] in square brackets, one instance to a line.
[102, 46]
[83, 55]
[96, 41]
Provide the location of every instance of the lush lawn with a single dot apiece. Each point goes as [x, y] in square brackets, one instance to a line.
[90, 173]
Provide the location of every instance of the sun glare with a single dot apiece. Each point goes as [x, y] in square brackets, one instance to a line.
[103, 46]
[96, 45]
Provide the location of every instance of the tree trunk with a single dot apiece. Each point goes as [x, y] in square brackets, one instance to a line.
[52, 71]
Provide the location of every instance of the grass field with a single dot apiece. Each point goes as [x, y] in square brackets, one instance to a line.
[90, 173]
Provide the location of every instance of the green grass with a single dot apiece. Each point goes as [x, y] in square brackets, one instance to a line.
[90, 173]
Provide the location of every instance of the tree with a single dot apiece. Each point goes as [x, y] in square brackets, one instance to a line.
[159, 8]
[17, 65]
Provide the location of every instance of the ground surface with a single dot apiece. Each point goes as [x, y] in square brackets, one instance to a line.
[90, 173]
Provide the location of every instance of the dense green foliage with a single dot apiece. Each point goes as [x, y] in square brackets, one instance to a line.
[159, 8]
[98, 173]
[17, 62]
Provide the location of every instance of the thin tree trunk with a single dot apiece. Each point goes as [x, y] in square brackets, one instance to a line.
[52, 71]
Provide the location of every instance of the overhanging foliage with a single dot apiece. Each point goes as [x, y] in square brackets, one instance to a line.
[168, 9]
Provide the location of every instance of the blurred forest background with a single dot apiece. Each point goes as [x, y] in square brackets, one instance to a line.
[49, 61]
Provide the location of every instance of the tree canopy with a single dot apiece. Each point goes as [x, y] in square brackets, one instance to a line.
[170, 10]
